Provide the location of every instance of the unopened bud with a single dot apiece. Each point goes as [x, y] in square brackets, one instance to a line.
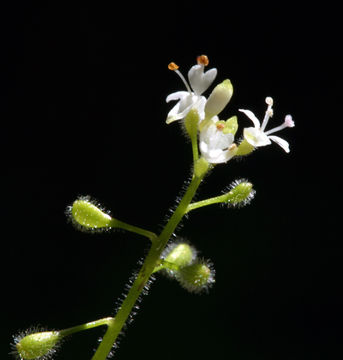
[180, 254]
[241, 193]
[177, 255]
[88, 216]
[218, 99]
[196, 277]
[37, 345]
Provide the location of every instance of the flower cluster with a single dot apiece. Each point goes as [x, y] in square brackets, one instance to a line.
[216, 137]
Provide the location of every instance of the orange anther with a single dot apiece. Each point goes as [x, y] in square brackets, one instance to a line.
[203, 60]
[220, 126]
[173, 66]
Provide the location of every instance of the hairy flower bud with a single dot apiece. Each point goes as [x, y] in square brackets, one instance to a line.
[218, 99]
[37, 345]
[196, 277]
[181, 254]
[89, 216]
[240, 194]
[177, 255]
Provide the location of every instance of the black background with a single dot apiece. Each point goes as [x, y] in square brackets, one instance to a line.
[82, 109]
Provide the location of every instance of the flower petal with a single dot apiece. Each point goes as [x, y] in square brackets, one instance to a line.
[252, 117]
[179, 95]
[281, 142]
[256, 137]
[214, 144]
[199, 105]
[199, 80]
[176, 113]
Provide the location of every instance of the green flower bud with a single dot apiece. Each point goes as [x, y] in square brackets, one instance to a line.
[181, 254]
[88, 216]
[218, 99]
[177, 255]
[240, 194]
[37, 345]
[196, 277]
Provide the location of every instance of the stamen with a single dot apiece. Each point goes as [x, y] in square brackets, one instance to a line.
[287, 123]
[172, 66]
[269, 112]
[232, 147]
[269, 100]
[220, 126]
[203, 60]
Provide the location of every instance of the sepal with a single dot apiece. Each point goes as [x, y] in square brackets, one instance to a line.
[244, 148]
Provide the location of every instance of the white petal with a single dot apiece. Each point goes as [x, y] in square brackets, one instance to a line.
[199, 80]
[203, 147]
[176, 113]
[281, 142]
[215, 156]
[179, 95]
[199, 105]
[221, 141]
[214, 144]
[252, 117]
[256, 137]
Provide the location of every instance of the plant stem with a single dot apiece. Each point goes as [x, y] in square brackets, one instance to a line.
[122, 225]
[148, 267]
[87, 326]
[210, 201]
[166, 265]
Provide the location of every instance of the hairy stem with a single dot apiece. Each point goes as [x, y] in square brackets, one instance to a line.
[122, 225]
[206, 202]
[148, 267]
[90, 325]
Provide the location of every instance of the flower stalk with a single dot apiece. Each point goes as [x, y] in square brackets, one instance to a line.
[151, 262]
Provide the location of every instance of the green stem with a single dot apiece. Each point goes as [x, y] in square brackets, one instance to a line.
[210, 201]
[166, 265]
[87, 326]
[122, 225]
[148, 267]
[195, 150]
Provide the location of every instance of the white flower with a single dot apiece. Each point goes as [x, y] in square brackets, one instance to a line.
[216, 145]
[256, 136]
[192, 98]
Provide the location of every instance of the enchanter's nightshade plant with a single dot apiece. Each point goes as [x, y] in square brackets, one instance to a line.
[213, 143]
